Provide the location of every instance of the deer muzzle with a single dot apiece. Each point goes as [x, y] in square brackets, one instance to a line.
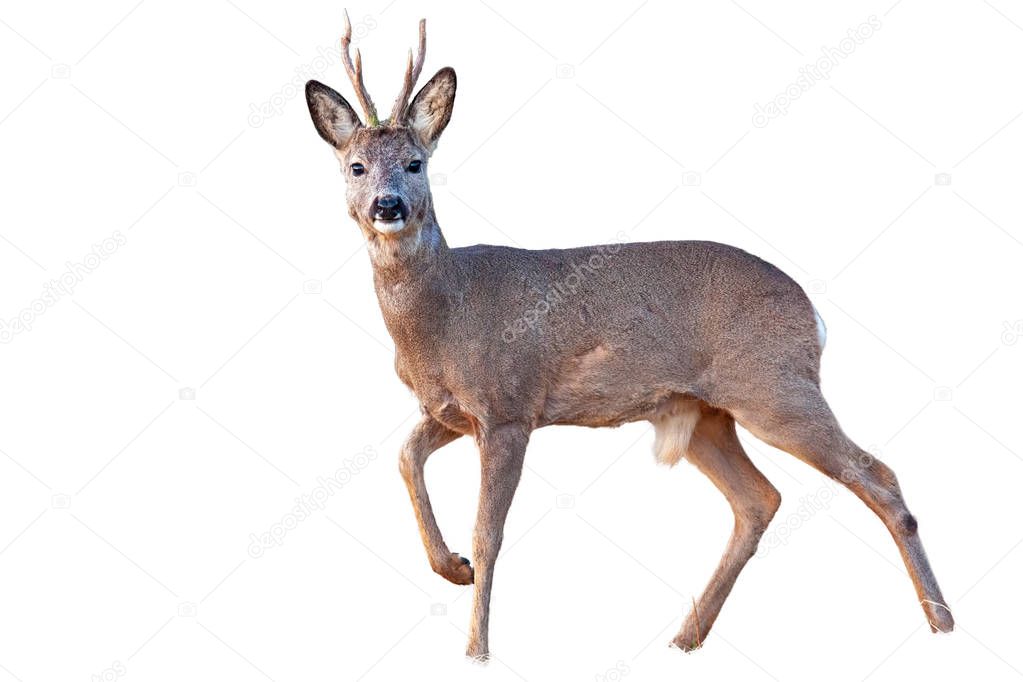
[389, 213]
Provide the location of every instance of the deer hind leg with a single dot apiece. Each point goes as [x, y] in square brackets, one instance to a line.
[428, 436]
[715, 450]
[799, 421]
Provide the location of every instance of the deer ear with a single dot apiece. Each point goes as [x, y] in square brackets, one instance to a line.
[334, 118]
[430, 111]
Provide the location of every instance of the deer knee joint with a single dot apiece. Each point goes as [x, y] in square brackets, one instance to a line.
[408, 461]
[760, 516]
[773, 502]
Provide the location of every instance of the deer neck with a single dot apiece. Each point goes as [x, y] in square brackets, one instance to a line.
[414, 277]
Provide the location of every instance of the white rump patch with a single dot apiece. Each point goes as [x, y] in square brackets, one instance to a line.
[673, 427]
[822, 331]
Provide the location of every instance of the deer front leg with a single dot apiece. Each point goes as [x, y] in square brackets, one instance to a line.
[502, 451]
[427, 436]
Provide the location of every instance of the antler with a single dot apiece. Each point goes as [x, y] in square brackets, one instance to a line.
[355, 74]
[412, 72]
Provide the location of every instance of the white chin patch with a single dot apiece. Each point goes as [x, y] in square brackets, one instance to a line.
[388, 226]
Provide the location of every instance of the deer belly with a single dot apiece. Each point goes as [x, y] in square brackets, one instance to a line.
[600, 388]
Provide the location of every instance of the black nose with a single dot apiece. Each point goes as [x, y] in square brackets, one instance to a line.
[389, 207]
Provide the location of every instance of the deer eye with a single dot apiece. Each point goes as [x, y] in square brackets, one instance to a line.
[415, 166]
[358, 169]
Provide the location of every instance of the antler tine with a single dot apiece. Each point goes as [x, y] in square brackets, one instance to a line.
[355, 74]
[412, 71]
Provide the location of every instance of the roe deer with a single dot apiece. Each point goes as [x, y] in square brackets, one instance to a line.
[692, 336]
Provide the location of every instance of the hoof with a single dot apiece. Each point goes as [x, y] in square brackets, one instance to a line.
[691, 637]
[457, 570]
[478, 658]
[687, 644]
[939, 617]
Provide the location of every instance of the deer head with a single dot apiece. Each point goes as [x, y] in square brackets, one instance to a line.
[385, 162]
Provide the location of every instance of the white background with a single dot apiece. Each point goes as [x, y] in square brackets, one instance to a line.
[127, 511]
